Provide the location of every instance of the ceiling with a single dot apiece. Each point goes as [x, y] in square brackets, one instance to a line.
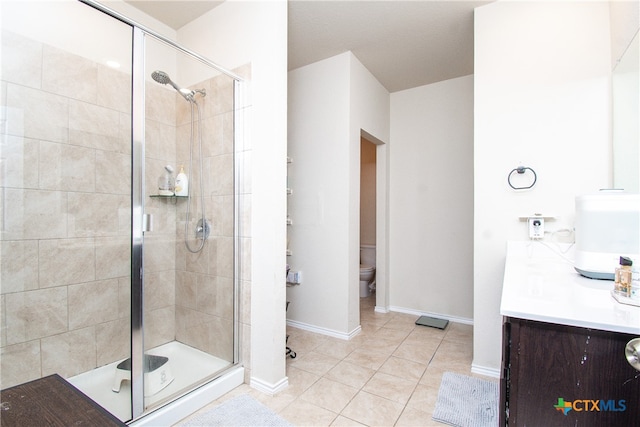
[404, 44]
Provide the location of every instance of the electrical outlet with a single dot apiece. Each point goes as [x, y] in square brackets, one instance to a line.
[294, 277]
[536, 228]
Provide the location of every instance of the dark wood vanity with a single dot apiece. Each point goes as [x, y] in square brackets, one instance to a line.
[544, 362]
[564, 344]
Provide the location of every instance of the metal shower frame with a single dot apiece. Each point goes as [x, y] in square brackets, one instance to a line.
[137, 196]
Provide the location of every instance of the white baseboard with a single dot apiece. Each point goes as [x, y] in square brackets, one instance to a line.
[483, 370]
[269, 388]
[454, 319]
[380, 309]
[324, 331]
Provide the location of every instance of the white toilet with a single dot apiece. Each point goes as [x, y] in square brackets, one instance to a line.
[367, 270]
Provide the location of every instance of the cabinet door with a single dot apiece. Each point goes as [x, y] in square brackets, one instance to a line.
[571, 376]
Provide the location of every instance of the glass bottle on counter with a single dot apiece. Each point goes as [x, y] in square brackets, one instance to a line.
[623, 276]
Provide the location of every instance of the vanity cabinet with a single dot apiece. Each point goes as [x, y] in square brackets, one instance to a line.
[545, 365]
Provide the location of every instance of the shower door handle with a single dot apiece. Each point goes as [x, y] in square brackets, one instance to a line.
[147, 222]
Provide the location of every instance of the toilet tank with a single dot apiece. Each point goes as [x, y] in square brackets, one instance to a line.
[368, 255]
[607, 226]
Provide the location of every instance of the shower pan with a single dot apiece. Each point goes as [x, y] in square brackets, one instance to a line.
[130, 295]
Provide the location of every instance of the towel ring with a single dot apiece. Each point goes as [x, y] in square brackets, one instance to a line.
[520, 170]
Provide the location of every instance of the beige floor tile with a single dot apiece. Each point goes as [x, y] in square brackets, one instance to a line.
[302, 413]
[350, 374]
[403, 368]
[418, 351]
[329, 394]
[459, 332]
[424, 397]
[388, 375]
[337, 348]
[341, 421]
[372, 410]
[412, 417]
[316, 363]
[403, 322]
[390, 387]
[367, 358]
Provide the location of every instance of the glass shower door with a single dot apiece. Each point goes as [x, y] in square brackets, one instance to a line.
[189, 289]
[66, 198]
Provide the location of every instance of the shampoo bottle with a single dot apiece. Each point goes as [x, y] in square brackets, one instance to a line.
[165, 182]
[182, 183]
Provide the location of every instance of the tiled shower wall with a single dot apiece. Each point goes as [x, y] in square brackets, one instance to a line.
[65, 256]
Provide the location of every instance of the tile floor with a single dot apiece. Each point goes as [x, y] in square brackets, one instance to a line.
[388, 375]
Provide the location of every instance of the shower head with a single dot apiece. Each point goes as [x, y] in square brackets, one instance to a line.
[163, 78]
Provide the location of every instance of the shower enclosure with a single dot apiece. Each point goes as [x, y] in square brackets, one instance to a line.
[130, 295]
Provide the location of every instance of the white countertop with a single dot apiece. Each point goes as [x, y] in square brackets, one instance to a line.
[541, 284]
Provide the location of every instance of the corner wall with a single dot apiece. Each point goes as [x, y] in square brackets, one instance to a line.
[431, 200]
[542, 89]
[330, 102]
[234, 34]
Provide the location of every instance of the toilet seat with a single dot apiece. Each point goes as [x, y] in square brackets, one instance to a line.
[366, 267]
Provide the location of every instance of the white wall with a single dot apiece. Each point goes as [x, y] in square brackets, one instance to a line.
[329, 103]
[369, 117]
[233, 34]
[542, 77]
[431, 199]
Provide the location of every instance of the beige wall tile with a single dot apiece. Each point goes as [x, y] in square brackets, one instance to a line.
[224, 257]
[222, 94]
[160, 144]
[93, 214]
[160, 104]
[159, 328]
[70, 353]
[159, 290]
[66, 261]
[69, 75]
[123, 143]
[113, 257]
[113, 172]
[213, 128]
[36, 314]
[37, 114]
[93, 303]
[21, 60]
[66, 167]
[34, 214]
[124, 297]
[19, 363]
[19, 266]
[159, 252]
[220, 338]
[3, 321]
[114, 89]
[219, 175]
[187, 289]
[113, 341]
[19, 168]
[93, 119]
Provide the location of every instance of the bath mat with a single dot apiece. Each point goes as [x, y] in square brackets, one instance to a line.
[466, 401]
[432, 322]
[240, 411]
